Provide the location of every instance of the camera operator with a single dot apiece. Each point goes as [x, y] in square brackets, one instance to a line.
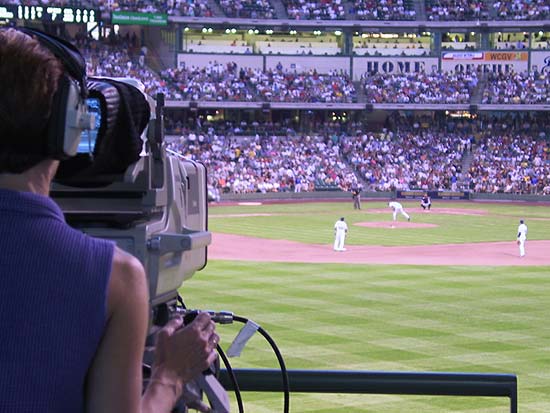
[73, 309]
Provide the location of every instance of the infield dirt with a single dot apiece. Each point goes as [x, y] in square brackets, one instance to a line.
[236, 247]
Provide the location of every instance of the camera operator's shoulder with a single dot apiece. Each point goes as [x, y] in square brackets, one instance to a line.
[128, 284]
[126, 262]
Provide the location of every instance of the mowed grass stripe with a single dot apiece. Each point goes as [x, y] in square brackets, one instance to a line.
[401, 318]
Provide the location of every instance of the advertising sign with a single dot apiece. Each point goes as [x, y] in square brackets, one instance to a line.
[418, 194]
[490, 61]
[540, 61]
[394, 65]
[139, 19]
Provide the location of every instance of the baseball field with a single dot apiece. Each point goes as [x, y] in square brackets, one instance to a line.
[445, 292]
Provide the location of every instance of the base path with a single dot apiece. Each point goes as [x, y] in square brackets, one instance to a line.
[236, 247]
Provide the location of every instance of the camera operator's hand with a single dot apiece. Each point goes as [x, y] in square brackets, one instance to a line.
[183, 352]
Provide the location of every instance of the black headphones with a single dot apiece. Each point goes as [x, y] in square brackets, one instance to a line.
[69, 115]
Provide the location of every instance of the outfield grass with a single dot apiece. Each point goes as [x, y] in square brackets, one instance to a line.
[314, 223]
[382, 317]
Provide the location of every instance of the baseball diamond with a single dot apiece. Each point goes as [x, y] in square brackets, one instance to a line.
[501, 253]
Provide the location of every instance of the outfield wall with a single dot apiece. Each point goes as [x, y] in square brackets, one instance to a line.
[341, 196]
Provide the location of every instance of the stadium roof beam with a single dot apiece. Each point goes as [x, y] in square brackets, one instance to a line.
[186, 104]
[367, 25]
[259, 105]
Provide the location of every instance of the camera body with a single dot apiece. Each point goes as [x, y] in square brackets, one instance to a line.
[156, 209]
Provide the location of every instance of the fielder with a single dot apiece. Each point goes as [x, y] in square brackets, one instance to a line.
[340, 231]
[398, 209]
[522, 237]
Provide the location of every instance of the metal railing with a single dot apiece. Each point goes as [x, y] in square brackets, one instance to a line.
[378, 382]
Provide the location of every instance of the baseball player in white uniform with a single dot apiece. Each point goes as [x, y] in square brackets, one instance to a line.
[340, 231]
[398, 209]
[522, 236]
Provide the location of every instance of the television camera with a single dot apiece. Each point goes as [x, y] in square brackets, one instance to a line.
[124, 185]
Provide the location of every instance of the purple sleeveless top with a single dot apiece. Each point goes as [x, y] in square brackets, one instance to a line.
[53, 291]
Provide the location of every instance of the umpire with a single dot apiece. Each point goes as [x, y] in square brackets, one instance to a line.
[356, 194]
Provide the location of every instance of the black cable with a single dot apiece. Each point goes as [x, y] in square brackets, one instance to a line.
[232, 377]
[286, 387]
[224, 317]
[228, 367]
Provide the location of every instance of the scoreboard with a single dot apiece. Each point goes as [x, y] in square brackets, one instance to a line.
[49, 13]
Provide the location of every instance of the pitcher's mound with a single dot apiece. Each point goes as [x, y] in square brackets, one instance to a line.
[398, 224]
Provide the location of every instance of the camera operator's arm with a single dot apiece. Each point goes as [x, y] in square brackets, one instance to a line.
[114, 380]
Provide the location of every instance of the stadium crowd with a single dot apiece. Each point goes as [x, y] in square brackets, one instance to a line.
[123, 56]
[253, 9]
[512, 163]
[218, 81]
[521, 10]
[404, 160]
[493, 155]
[268, 164]
[438, 10]
[383, 10]
[419, 87]
[119, 57]
[315, 9]
[191, 8]
[269, 157]
[513, 87]
[452, 10]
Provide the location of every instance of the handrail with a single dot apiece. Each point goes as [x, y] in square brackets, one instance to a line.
[378, 382]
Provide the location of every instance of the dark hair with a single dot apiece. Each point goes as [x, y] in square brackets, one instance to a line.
[29, 77]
